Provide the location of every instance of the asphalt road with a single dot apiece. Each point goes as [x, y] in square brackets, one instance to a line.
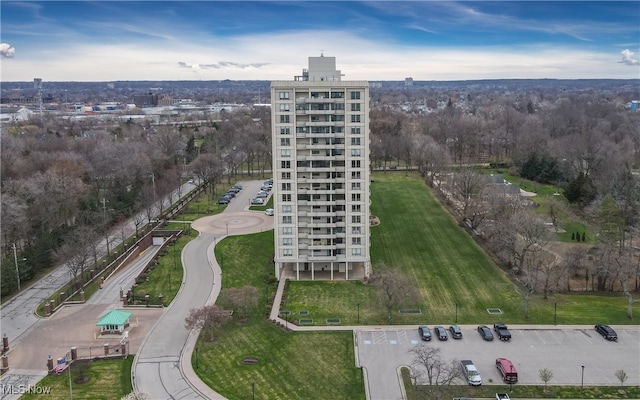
[563, 350]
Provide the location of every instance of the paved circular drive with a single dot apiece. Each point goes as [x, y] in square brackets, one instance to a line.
[238, 223]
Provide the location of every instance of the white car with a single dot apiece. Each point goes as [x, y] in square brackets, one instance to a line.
[269, 211]
[257, 201]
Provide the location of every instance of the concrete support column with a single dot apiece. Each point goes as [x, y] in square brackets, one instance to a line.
[62, 297]
[50, 363]
[161, 300]
[53, 305]
[146, 300]
[74, 353]
[47, 310]
[106, 349]
[82, 296]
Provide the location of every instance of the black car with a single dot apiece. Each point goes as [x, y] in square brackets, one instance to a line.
[230, 194]
[456, 332]
[607, 332]
[224, 200]
[424, 332]
[485, 332]
[441, 333]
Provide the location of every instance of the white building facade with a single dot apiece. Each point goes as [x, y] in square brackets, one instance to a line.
[320, 132]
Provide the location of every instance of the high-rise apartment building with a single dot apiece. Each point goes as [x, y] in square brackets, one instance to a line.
[320, 132]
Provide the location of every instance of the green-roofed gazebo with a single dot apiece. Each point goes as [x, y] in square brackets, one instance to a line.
[114, 321]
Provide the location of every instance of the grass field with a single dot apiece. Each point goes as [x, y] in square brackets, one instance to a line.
[109, 380]
[455, 276]
[292, 365]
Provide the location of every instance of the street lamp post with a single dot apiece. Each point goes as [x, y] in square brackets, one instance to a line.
[582, 379]
[358, 313]
[510, 381]
[227, 228]
[15, 258]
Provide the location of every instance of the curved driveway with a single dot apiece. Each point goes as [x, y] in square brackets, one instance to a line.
[162, 367]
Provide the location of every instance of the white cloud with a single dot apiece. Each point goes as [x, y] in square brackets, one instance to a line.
[6, 50]
[628, 57]
[266, 57]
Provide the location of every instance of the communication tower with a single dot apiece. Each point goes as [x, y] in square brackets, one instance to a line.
[37, 84]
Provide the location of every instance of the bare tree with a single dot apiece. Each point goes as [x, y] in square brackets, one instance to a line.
[438, 372]
[136, 396]
[628, 272]
[622, 376]
[395, 287]
[466, 184]
[241, 300]
[207, 318]
[545, 375]
[431, 158]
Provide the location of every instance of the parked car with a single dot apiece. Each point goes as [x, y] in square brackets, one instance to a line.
[262, 194]
[266, 188]
[441, 333]
[501, 330]
[269, 211]
[485, 332]
[236, 186]
[230, 194]
[224, 200]
[257, 201]
[191, 181]
[607, 332]
[424, 332]
[234, 190]
[456, 332]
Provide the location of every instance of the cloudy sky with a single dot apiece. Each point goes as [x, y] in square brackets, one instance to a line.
[377, 40]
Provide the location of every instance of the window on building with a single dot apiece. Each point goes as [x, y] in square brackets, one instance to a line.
[337, 95]
[355, 152]
[286, 186]
[287, 241]
[355, 164]
[355, 208]
[285, 175]
[284, 106]
[283, 95]
[284, 119]
[356, 240]
[287, 230]
[285, 142]
[355, 106]
[286, 197]
[355, 219]
[285, 153]
[354, 118]
[355, 185]
[285, 164]
[286, 219]
[355, 95]
[355, 230]
[285, 131]
[355, 130]
[355, 141]
[287, 252]
[286, 209]
[355, 175]
[355, 197]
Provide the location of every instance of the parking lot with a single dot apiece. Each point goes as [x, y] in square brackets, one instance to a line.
[562, 350]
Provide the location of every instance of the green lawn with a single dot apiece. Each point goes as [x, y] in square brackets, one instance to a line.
[293, 365]
[109, 380]
[420, 238]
